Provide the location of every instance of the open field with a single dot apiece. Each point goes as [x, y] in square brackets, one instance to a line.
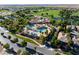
[55, 13]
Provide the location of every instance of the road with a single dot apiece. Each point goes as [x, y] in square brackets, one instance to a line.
[43, 50]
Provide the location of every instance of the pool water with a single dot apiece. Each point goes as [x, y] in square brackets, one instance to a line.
[42, 29]
[30, 26]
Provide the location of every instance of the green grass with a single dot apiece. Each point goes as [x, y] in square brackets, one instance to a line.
[4, 11]
[26, 39]
[55, 13]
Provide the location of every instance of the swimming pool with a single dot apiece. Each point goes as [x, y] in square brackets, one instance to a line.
[30, 26]
[42, 29]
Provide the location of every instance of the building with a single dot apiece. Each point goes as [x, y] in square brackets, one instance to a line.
[37, 27]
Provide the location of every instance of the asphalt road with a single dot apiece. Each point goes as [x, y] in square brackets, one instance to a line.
[43, 50]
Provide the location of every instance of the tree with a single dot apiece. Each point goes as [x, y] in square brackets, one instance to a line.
[42, 14]
[64, 24]
[52, 16]
[47, 14]
[0, 42]
[70, 42]
[60, 28]
[9, 37]
[7, 46]
[15, 40]
[68, 30]
[59, 22]
[41, 39]
[23, 44]
[52, 21]
[15, 26]
[66, 13]
[2, 33]
[25, 53]
[19, 51]
[55, 42]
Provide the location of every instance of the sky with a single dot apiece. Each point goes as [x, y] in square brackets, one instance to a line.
[39, 2]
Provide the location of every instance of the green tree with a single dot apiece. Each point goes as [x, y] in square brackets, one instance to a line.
[23, 44]
[19, 51]
[2, 33]
[59, 22]
[60, 28]
[42, 14]
[9, 37]
[68, 30]
[52, 21]
[66, 13]
[7, 46]
[47, 14]
[52, 16]
[55, 42]
[15, 40]
[25, 53]
[70, 42]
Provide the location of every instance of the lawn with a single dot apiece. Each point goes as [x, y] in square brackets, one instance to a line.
[26, 39]
[55, 13]
[3, 10]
